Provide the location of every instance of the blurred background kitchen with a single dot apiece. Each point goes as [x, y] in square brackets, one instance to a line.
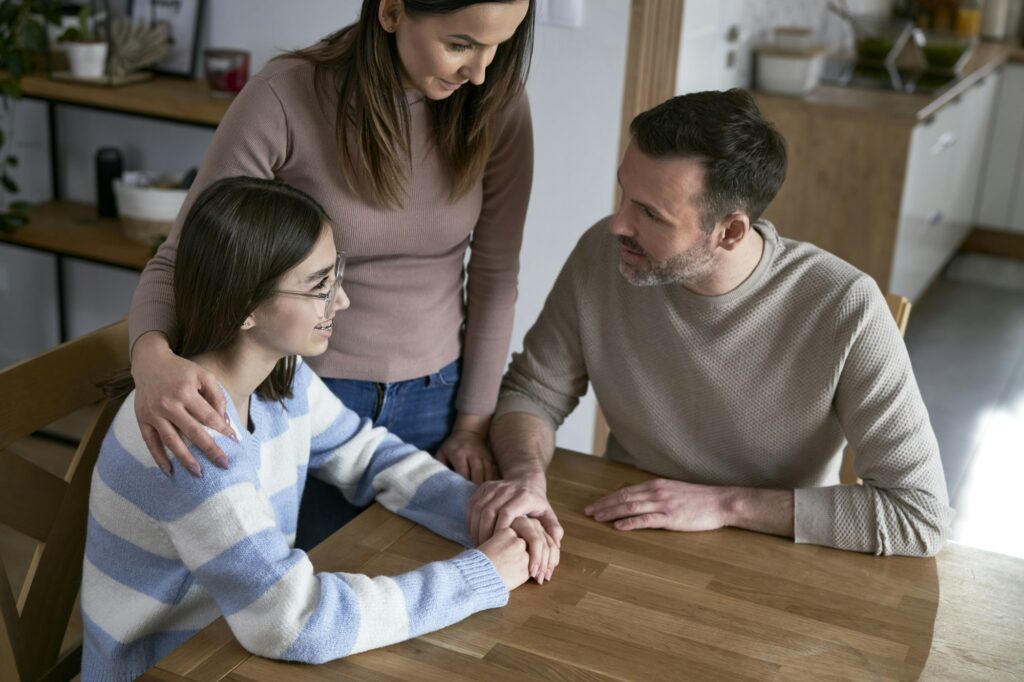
[905, 122]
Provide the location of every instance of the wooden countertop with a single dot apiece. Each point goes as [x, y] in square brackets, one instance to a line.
[658, 605]
[987, 57]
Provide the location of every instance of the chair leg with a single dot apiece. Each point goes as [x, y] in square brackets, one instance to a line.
[66, 667]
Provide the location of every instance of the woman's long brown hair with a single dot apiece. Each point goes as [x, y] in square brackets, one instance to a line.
[360, 65]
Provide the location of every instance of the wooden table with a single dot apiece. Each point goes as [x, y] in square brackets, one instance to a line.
[657, 605]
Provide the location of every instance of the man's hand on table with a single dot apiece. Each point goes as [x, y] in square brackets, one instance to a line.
[662, 503]
[677, 505]
[497, 504]
[523, 507]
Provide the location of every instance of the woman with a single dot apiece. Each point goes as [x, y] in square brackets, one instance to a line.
[392, 126]
[257, 283]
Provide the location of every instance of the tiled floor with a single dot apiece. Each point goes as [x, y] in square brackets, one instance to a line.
[966, 343]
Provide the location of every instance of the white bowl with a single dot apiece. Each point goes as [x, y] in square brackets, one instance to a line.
[788, 72]
[797, 38]
[147, 212]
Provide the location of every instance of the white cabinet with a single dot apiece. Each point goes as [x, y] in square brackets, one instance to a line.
[1001, 204]
[940, 187]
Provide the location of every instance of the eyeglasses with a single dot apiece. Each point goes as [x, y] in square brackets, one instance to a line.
[328, 296]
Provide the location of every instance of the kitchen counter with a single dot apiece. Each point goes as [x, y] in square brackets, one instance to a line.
[887, 180]
[987, 58]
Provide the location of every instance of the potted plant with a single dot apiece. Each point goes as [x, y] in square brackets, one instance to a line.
[22, 41]
[87, 52]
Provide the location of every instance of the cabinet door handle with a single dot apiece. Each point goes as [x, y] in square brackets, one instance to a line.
[935, 217]
[945, 141]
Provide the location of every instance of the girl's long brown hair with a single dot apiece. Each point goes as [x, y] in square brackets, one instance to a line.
[239, 238]
[360, 65]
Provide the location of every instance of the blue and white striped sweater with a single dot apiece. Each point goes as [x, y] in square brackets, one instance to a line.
[166, 556]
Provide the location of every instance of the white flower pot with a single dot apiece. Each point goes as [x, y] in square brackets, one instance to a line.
[87, 60]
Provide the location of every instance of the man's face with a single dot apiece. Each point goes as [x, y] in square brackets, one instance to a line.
[659, 222]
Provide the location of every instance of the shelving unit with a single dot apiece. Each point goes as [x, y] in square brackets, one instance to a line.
[71, 229]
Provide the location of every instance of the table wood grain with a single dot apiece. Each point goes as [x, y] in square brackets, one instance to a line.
[657, 605]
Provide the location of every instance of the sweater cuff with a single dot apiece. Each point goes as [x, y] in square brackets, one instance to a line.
[482, 578]
[514, 401]
[813, 516]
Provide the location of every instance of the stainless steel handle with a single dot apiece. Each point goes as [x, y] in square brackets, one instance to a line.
[945, 141]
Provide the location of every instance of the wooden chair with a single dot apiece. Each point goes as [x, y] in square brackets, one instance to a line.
[899, 306]
[46, 508]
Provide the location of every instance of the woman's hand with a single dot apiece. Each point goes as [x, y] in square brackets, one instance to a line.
[544, 553]
[175, 397]
[507, 551]
[465, 451]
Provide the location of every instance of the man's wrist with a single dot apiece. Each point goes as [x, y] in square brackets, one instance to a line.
[531, 478]
[757, 509]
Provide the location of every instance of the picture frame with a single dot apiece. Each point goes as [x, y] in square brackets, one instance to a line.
[184, 19]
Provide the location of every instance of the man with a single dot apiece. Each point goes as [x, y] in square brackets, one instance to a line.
[732, 362]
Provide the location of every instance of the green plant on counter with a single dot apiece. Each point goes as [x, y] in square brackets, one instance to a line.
[80, 33]
[874, 48]
[22, 39]
[943, 55]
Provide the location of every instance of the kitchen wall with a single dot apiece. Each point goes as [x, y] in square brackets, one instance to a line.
[576, 94]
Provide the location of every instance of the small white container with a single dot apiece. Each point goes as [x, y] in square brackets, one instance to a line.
[87, 60]
[789, 72]
[795, 38]
[147, 212]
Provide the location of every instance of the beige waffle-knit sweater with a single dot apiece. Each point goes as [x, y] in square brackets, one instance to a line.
[405, 269]
[759, 387]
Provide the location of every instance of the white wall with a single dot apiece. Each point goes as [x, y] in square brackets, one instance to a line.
[576, 94]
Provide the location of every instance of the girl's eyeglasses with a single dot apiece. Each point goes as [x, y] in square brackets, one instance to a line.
[328, 296]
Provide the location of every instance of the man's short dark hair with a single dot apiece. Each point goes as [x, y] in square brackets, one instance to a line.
[743, 155]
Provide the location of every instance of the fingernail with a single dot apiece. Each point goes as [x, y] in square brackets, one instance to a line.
[222, 462]
[196, 471]
[587, 510]
[230, 431]
[166, 469]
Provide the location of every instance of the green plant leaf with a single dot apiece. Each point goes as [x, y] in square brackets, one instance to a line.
[20, 207]
[8, 183]
[11, 161]
[8, 10]
[35, 35]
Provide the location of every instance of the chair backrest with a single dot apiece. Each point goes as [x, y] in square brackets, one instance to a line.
[899, 306]
[49, 509]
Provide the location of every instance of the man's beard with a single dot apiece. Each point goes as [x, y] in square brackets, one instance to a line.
[690, 268]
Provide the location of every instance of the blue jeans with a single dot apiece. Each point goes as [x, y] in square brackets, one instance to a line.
[419, 411]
